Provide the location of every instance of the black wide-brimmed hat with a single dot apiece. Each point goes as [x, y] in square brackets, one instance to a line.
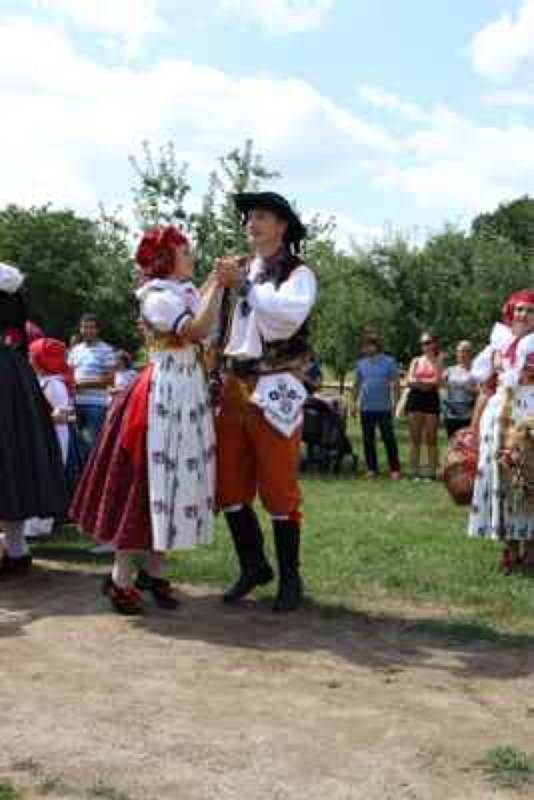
[271, 201]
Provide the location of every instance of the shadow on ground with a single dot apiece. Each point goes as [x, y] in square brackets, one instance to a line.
[385, 642]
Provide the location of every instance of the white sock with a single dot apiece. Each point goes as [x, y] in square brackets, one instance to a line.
[14, 537]
[122, 569]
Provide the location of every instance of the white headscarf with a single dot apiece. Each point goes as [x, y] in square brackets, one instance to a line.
[11, 278]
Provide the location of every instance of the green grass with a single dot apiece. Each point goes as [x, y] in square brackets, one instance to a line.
[101, 791]
[52, 786]
[509, 768]
[7, 792]
[383, 545]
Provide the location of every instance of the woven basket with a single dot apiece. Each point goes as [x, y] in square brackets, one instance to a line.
[460, 468]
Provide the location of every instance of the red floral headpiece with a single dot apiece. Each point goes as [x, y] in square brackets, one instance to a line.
[155, 254]
[524, 296]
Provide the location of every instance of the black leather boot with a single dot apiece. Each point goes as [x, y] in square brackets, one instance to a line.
[290, 589]
[248, 543]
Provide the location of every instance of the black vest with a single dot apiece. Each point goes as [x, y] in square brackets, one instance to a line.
[275, 354]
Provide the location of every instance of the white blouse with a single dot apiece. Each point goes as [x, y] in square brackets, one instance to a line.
[275, 313]
[56, 393]
[167, 305]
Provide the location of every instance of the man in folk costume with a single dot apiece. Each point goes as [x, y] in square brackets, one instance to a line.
[260, 418]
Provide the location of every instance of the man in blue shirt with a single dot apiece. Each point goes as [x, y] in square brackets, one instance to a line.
[377, 384]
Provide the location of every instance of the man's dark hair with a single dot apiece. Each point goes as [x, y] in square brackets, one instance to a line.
[373, 340]
[89, 318]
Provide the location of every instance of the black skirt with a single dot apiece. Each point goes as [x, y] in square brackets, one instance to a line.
[32, 482]
[423, 401]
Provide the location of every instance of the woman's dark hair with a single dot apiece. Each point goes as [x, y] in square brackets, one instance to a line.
[125, 357]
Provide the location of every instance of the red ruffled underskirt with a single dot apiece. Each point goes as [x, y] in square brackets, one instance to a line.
[112, 499]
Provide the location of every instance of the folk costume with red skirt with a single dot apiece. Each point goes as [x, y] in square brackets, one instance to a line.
[259, 422]
[150, 483]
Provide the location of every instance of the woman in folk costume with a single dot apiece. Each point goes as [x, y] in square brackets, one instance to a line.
[31, 469]
[149, 485]
[499, 510]
[259, 423]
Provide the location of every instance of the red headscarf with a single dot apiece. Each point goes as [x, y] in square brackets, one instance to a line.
[50, 357]
[157, 248]
[524, 296]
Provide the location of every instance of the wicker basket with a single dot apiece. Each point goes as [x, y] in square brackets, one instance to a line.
[460, 468]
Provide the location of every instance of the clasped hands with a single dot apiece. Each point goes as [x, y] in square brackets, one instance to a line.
[230, 271]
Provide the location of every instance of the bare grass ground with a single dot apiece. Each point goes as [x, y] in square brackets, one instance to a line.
[412, 660]
[215, 703]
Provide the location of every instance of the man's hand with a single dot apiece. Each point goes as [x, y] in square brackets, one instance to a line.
[230, 271]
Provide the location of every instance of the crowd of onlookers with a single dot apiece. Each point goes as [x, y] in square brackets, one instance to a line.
[428, 392]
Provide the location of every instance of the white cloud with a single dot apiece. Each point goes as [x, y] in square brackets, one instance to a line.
[128, 22]
[502, 46]
[73, 122]
[279, 16]
[513, 99]
[378, 98]
[449, 164]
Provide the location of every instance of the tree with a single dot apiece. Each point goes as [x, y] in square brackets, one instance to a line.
[513, 221]
[72, 265]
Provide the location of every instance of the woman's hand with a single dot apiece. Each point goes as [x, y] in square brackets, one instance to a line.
[230, 271]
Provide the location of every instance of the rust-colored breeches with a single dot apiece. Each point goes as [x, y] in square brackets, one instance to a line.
[253, 458]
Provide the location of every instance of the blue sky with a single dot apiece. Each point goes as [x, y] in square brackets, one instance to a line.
[387, 114]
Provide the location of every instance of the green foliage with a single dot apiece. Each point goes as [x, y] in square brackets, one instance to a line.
[72, 265]
[513, 221]
[162, 191]
[508, 767]
[455, 284]
[159, 196]
[8, 792]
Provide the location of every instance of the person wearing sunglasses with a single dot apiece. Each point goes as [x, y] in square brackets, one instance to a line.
[502, 507]
[423, 406]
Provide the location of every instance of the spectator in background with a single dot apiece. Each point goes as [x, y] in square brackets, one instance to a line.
[125, 374]
[377, 384]
[423, 405]
[461, 388]
[93, 363]
[313, 375]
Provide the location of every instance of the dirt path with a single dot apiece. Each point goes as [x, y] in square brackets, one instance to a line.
[210, 703]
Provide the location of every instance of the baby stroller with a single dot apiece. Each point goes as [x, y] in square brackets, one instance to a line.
[325, 435]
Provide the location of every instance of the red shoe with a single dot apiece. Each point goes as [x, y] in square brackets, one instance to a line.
[395, 475]
[160, 589]
[125, 601]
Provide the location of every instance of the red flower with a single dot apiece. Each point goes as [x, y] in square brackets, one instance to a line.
[155, 254]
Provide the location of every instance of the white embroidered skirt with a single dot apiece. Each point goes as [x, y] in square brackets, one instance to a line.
[180, 451]
[495, 512]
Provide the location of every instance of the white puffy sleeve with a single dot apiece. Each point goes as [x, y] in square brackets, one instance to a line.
[281, 312]
[56, 393]
[165, 310]
[482, 367]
